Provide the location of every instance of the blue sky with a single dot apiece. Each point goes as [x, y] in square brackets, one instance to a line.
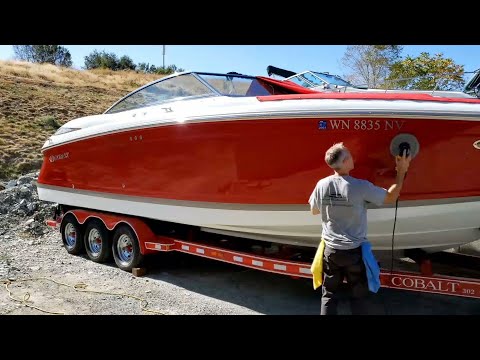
[254, 59]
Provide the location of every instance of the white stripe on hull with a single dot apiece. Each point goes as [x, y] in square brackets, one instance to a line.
[427, 227]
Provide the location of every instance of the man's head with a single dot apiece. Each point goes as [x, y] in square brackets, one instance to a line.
[338, 157]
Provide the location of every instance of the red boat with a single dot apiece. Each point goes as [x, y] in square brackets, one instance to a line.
[239, 155]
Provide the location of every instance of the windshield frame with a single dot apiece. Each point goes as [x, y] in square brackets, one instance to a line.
[197, 75]
[323, 78]
[301, 77]
[330, 76]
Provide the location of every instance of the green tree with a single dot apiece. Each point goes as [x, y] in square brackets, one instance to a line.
[147, 68]
[426, 72]
[126, 63]
[152, 69]
[168, 70]
[370, 64]
[101, 60]
[52, 54]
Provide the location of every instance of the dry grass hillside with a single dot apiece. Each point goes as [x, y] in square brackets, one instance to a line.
[35, 99]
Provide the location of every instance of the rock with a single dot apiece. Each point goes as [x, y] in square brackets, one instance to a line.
[11, 184]
[32, 207]
[9, 199]
[25, 192]
[20, 199]
[38, 229]
[2, 186]
[26, 179]
[17, 211]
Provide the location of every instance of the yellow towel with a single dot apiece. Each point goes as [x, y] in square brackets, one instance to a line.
[317, 266]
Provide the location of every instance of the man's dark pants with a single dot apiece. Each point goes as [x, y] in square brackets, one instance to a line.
[340, 264]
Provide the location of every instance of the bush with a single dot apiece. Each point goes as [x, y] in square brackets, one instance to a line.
[104, 60]
[49, 122]
[27, 166]
[6, 172]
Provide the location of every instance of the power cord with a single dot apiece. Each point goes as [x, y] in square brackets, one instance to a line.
[80, 287]
[393, 243]
[393, 236]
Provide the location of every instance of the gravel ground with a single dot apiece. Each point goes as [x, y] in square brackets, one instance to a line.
[44, 258]
[174, 284]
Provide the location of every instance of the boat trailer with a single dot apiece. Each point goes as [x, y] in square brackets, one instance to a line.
[143, 241]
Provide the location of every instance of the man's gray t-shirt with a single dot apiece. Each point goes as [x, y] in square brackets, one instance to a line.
[342, 201]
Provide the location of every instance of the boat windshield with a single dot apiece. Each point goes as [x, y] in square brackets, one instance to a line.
[311, 79]
[189, 86]
[333, 79]
[234, 85]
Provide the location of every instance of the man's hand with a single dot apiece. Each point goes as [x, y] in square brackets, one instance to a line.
[402, 163]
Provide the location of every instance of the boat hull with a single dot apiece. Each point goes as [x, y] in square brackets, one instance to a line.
[254, 177]
[429, 227]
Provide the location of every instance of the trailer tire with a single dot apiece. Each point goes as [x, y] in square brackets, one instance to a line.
[126, 249]
[72, 235]
[97, 241]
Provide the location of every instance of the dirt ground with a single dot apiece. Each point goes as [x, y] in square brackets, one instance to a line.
[59, 283]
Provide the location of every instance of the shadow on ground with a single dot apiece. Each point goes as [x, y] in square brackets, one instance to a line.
[274, 294]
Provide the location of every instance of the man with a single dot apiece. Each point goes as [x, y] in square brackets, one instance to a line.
[341, 200]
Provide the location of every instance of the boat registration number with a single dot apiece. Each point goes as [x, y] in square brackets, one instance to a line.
[360, 124]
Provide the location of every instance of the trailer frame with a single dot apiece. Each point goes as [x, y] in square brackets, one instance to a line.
[279, 262]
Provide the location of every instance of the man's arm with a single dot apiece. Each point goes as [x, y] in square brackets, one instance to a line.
[313, 201]
[393, 192]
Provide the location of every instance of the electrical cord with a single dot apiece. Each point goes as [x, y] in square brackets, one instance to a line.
[80, 287]
[393, 236]
[387, 310]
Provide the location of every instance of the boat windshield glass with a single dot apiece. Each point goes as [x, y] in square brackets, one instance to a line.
[310, 79]
[190, 86]
[333, 79]
[181, 86]
[307, 80]
[231, 85]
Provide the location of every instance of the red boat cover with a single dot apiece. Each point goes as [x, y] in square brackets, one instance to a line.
[279, 87]
[287, 90]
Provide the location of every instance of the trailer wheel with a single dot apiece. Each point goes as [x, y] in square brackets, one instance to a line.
[96, 240]
[125, 248]
[72, 235]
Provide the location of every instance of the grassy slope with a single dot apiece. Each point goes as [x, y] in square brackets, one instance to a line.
[35, 99]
